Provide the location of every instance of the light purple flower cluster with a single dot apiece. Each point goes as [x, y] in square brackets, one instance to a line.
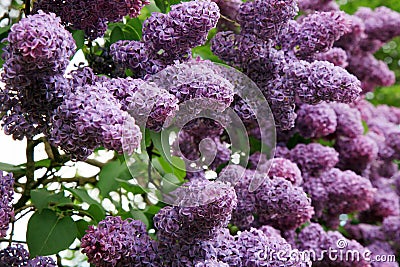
[19, 256]
[315, 121]
[6, 197]
[335, 55]
[314, 158]
[284, 168]
[276, 202]
[167, 37]
[117, 242]
[314, 238]
[36, 57]
[369, 31]
[315, 33]
[280, 74]
[265, 18]
[391, 228]
[91, 16]
[203, 208]
[91, 116]
[319, 5]
[336, 192]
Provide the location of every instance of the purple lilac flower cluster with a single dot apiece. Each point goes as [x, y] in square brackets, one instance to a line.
[91, 16]
[167, 37]
[6, 197]
[36, 57]
[19, 256]
[271, 48]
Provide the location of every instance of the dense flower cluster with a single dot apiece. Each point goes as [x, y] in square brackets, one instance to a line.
[117, 242]
[6, 196]
[167, 37]
[91, 16]
[19, 256]
[282, 74]
[36, 57]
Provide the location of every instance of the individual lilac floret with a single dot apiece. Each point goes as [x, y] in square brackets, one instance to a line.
[79, 129]
[184, 27]
[117, 242]
[315, 121]
[335, 55]
[349, 123]
[317, 33]
[265, 19]
[314, 158]
[92, 15]
[19, 256]
[391, 228]
[6, 197]
[356, 153]
[202, 208]
[313, 238]
[284, 168]
[335, 192]
[39, 44]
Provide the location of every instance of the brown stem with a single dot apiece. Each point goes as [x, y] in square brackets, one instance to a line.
[29, 173]
[27, 9]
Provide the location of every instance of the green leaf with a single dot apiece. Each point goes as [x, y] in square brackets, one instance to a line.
[139, 215]
[97, 212]
[134, 189]
[136, 24]
[49, 233]
[116, 35]
[161, 143]
[16, 170]
[107, 175]
[81, 226]
[82, 195]
[79, 37]
[130, 33]
[4, 29]
[43, 163]
[163, 5]
[365, 126]
[205, 53]
[42, 198]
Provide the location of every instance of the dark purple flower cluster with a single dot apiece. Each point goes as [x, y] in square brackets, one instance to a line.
[276, 202]
[167, 37]
[203, 208]
[117, 242]
[36, 57]
[315, 121]
[91, 16]
[6, 197]
[265, 18]
[315, 33]
[314, 158]
[91, 116]
[19, 256]
[335, 55]
[319, 5]
[336, 192]
[280, 74]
